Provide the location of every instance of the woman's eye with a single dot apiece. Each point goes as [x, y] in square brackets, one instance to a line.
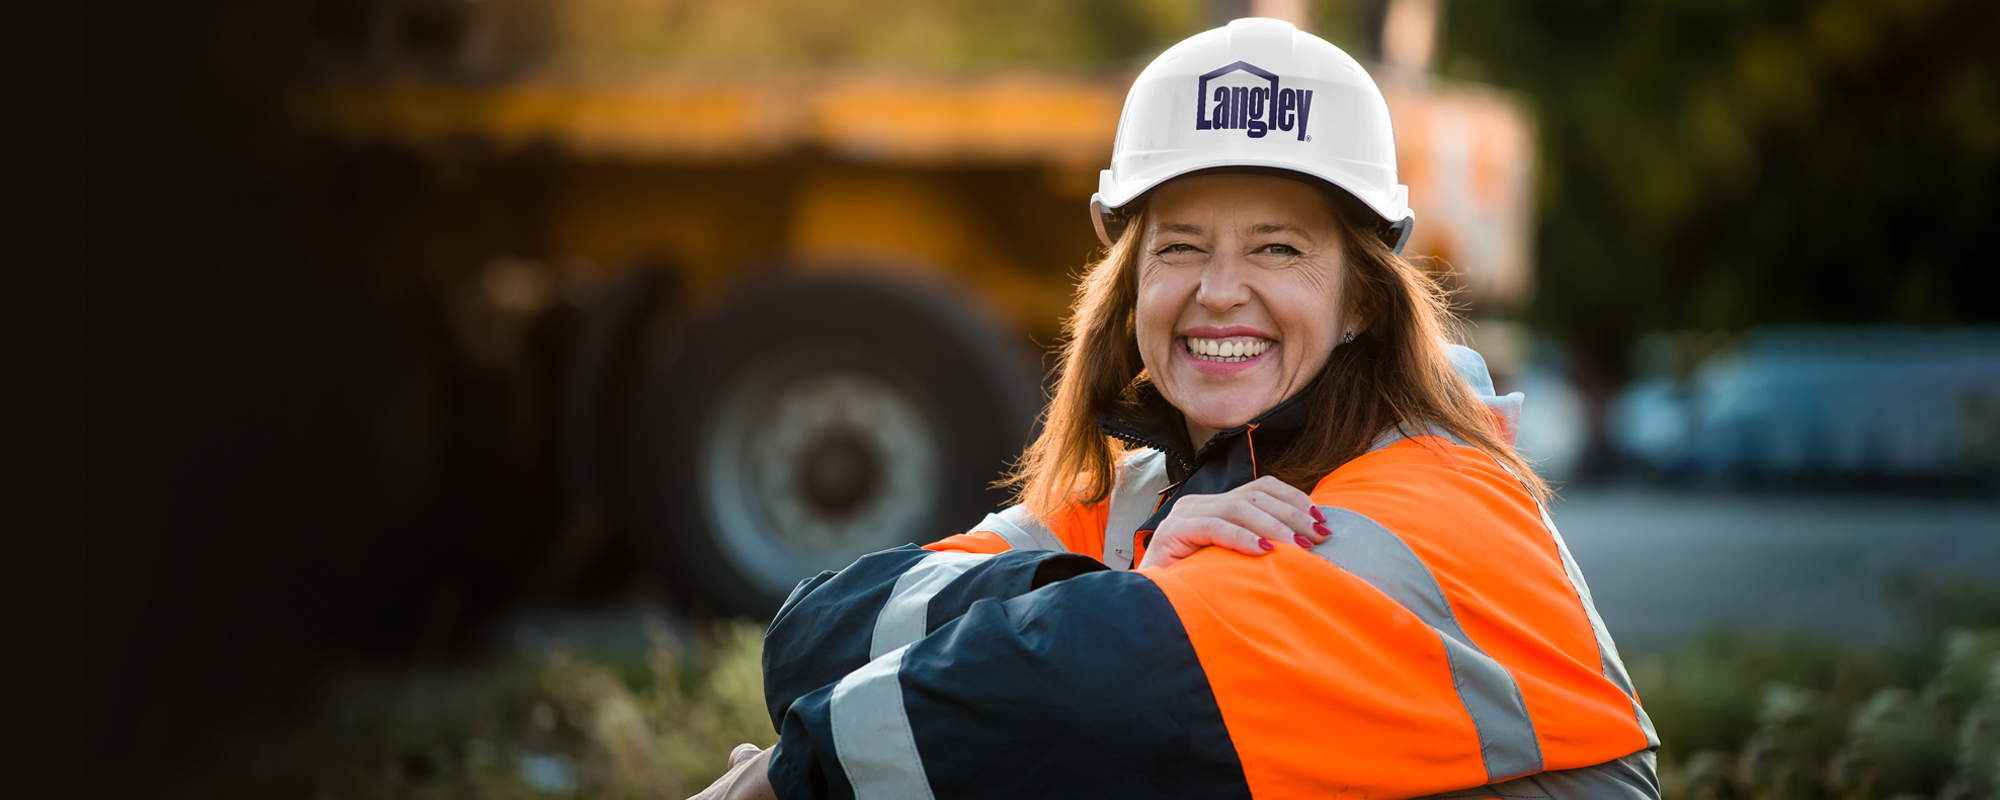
[1177, 248]
[1279, 249]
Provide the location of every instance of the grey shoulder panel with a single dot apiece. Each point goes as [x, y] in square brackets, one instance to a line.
[1140, 480]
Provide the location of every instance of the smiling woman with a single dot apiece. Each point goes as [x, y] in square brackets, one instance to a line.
[1235, 298]
[1272, 541]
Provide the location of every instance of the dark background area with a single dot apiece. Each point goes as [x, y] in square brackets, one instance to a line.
[272, 489]
[250, 437]
[1717, 166]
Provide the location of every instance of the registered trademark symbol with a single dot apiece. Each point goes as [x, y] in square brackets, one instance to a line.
[1309, 137]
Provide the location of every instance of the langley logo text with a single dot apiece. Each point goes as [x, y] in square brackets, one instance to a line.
[1255, 110]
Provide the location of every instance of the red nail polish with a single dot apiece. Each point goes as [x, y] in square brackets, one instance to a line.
[1266, 544]
[1318, 516]
[1303, 541]
[1322, 530]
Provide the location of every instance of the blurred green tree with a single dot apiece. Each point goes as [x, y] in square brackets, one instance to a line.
[1721, 164]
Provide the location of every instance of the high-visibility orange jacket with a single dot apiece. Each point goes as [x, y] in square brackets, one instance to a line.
[1441, 644]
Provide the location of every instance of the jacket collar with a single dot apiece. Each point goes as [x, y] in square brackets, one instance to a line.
[1227, 460]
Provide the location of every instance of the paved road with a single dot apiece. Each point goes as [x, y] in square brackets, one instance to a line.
[1663, 565]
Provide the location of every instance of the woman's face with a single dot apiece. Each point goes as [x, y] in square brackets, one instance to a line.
[1239, 294]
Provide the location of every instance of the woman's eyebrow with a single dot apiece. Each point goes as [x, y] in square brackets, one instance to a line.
[1265, 228]
[1187, 228]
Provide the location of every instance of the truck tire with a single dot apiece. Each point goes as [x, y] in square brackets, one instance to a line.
[814, 421]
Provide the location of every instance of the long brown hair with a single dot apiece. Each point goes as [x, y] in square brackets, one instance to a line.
[1394, 373]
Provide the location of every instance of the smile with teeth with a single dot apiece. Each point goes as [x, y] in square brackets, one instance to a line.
[1226, 350]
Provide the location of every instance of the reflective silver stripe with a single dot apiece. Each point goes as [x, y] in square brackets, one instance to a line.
[1608, 661]
[1607, 650]
[1021, 529]
[1140, 480]
[906, 616]
[1374, 554]
[1630, 778]
[871, 732]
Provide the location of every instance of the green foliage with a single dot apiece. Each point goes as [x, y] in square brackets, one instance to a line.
[562, 723]
[1716, 165]
[1796, 729]
[1969, 663]
[1793, 719]
[1979, 741]
[1716, 691]
[1898, 741]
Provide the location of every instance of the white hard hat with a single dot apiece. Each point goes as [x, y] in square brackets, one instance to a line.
[1262, 94]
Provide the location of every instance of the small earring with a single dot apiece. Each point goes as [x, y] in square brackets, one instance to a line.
[1348, 339]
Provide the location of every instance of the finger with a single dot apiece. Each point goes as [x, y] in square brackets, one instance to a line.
[748, 778]
[1251, 515]
[1208, 532]
[1313, 522]
[1297, 522]
[1282, 491]
[1271, 520]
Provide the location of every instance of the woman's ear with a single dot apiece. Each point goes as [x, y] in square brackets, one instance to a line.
[1352, 325]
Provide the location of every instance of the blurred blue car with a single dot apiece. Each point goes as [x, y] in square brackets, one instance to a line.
[1832, 402]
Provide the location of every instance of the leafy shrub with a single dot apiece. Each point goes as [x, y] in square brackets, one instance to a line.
[556, 723]
[1788, 719]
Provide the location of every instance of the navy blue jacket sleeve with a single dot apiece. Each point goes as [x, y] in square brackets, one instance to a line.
[835, 623]
[1084, 688]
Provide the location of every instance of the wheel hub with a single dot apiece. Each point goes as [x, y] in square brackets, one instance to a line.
[808, 467]
[839, 472]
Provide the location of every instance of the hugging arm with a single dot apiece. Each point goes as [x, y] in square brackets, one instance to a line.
[836, 623]
[1086, 688]
[1223, 676]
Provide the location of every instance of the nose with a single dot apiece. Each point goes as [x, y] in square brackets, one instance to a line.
[1222, 282]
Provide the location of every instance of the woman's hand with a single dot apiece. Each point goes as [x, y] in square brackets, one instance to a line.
[748, 778]
[1247, 519]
